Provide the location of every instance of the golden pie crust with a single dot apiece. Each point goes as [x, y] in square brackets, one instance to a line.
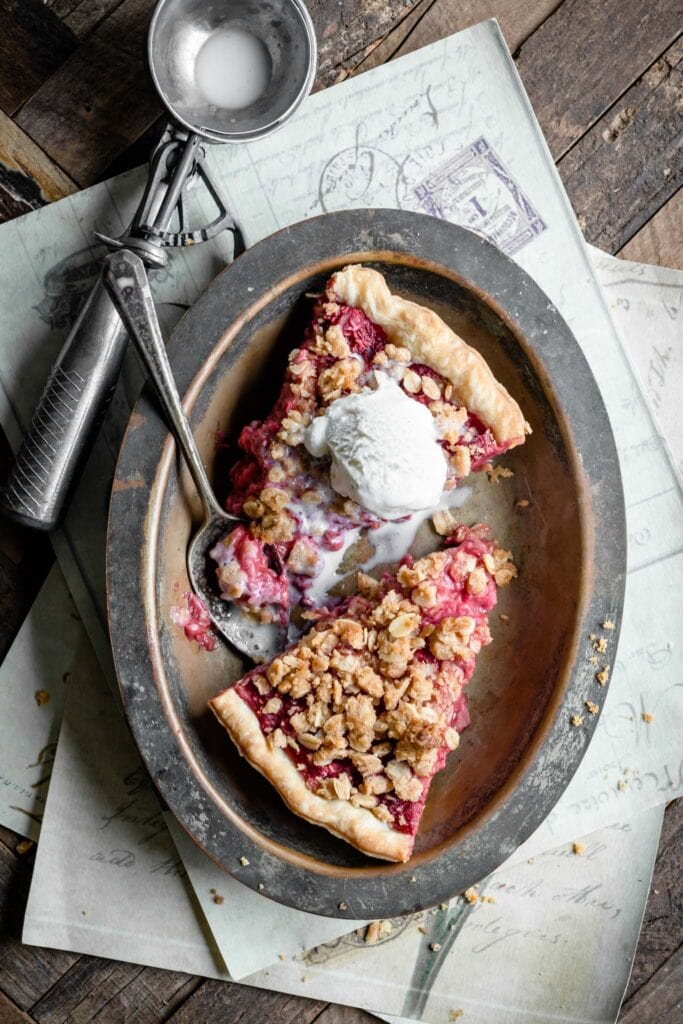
[434, 343]
[357, 825]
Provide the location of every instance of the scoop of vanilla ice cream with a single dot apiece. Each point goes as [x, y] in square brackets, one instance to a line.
[384, 448]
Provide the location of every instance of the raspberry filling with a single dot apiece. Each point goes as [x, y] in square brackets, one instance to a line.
[462, 591]
[294, 515]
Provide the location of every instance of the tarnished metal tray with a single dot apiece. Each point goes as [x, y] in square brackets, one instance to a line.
[518, 755]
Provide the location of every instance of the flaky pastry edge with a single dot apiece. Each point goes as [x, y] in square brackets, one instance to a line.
[434, 343]
[356, 825]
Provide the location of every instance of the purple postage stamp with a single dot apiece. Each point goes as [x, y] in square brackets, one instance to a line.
[475, 189]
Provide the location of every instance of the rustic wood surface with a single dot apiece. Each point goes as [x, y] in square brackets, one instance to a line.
[605, 82]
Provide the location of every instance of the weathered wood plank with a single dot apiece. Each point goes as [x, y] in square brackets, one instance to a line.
[662, 930]
[347, 28]
[334, 1014]
[10, 1013]
[107, 992]
[629, 163]
[28, 178]
[99, 101]
[219, 1002]
[661, 239]
[26, 972]
[33, 44]
[586, 55]
[86, 15]
[660, 1001]
[431, 20]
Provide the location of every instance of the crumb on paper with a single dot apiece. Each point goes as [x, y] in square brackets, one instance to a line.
[343, 906]
[648, 717]
[576, 720]
[503, 617]
[608, 624]
[455, 1014]
[218, 899]
[603, 675]
[443, 906]
[372, 932]
[623, 785]
[496, 473]
[488, 899]
[578, 848]
[435, 946]
[592, 707]
[421, 928]
[471, 895]
[42, 697]
[282, 956]
[522, 503]
[23, 846]
[304, 977]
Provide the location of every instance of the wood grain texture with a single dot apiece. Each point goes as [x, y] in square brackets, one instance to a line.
[28, 178]
[660, 1002]
[344, 28]
[108, 992]
[586, 55]
[431, 20]
[220, 1002]
[629, 163]
[660, 241]
[33, 44]
[100, 100]
[662, 931]
[11, 1014]
[84, 17]
[26, 973]
[334, 1014]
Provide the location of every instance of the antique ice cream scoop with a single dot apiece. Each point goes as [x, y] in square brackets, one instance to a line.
[226, 71]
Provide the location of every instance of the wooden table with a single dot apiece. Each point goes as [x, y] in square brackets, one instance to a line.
[76, 106]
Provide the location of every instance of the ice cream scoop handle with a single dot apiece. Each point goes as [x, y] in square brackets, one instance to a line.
[69, 413]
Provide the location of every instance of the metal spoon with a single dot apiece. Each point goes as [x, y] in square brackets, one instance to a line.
[126, 281]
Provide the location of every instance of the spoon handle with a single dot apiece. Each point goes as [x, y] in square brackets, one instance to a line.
[126, 281]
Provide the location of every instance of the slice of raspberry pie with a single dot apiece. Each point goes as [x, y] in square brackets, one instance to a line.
[353, 721]
[362, 342]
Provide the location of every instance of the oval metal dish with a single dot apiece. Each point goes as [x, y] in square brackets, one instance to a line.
[519, 753]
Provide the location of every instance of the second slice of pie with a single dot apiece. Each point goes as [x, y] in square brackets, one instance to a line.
[352, 722]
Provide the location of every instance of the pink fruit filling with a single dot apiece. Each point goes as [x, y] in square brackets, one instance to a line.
[454, 598]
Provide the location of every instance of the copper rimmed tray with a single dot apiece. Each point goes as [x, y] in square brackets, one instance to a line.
[518, 755]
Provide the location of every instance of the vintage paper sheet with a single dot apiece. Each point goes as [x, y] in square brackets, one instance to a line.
[33, 680]
[558, 934]
[647, 306]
